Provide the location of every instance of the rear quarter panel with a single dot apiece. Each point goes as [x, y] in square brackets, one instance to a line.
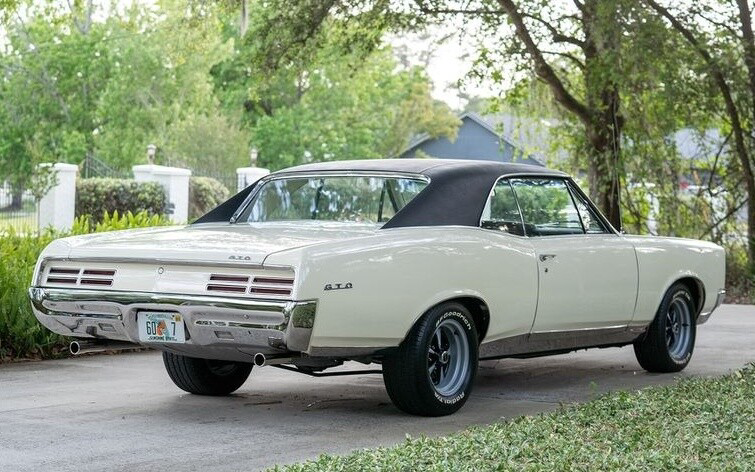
[400, 273]
[663, 261]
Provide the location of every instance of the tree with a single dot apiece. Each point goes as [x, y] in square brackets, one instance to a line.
[328, 99]
[589, 29]
[73, 86]
[728, 55]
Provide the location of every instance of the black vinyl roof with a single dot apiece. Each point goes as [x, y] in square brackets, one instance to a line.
[456, 194]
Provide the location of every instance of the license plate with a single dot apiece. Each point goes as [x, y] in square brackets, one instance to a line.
[160, 327]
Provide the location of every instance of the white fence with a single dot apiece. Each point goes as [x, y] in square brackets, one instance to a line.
[57, 207]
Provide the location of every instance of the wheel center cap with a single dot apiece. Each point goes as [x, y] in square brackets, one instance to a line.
[445, 357]
[675, 328]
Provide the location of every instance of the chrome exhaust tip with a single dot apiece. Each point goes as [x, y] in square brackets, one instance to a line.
[261, 360]
[78, 347]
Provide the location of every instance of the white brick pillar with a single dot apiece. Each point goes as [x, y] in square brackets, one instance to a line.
[57, 207]
[175, 181]
[246, 176]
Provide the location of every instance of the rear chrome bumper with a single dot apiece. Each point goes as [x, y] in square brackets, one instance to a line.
[703, 317]
[216, 327]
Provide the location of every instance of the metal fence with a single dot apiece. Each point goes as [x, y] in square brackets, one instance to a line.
[19, 209]
[229, 179]
[93, 167]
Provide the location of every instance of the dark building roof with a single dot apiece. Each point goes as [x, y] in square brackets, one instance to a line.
[476, 140]
[456, 194]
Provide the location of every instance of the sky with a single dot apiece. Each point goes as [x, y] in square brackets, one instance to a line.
[448, 63]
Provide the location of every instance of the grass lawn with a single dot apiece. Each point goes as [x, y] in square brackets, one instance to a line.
[697, 424]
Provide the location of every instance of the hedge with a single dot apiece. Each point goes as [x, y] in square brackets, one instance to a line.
[97, 196]
[205, 193]
[21, 335]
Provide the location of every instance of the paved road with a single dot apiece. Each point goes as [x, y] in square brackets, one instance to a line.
[123, 413]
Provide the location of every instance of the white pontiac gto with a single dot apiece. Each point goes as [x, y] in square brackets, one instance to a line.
[422, 266]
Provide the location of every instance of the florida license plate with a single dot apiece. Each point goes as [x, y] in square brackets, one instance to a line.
[160, 327]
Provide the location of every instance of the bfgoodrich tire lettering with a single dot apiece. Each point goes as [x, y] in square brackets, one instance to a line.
[670, 339]
[431, 373]
[205, 376]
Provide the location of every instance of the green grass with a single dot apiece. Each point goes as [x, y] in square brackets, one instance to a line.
[697, 424]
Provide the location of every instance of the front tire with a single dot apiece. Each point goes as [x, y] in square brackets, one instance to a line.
[431, 373]
[670, 339]
[206, 376]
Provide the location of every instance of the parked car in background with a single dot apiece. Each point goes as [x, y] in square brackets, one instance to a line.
[422, 266]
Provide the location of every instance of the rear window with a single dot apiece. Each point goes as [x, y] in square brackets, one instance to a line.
[362, 199]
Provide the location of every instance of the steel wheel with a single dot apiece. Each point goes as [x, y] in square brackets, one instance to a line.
[678, 331]
[668, 343]
[432, 371]
[448, 357]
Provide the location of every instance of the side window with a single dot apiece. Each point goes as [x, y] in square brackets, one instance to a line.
[590, 221]
[501, 211]
[547, 207]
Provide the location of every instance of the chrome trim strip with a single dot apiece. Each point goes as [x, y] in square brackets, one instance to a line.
[704, 317]
[545, 342]
[39, 294]
[333, 173]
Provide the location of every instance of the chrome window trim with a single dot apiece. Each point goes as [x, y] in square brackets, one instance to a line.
[602, 221]
[284, 175]
[565, 179]
[571, 186]
[519, 208]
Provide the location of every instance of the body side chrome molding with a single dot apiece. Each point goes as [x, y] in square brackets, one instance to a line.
[545, 342]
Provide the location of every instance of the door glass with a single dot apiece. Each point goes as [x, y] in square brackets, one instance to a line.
[547, 207]
[501, 211]
[590, 221]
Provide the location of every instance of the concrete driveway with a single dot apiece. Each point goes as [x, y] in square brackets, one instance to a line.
[123, 413]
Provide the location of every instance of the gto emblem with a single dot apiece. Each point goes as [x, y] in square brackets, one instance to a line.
[338, 286]
[240, 258]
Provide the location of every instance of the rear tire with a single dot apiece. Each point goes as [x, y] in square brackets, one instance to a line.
[670, 339]
[206, 376]
[431, 373]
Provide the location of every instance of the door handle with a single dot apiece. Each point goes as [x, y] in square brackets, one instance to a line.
[547, 257]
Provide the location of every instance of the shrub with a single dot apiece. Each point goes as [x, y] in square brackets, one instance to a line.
[205, 193]
[97, 196]
[21, 335]
[740, 287]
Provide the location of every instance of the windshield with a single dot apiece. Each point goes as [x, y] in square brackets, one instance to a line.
[363, 199]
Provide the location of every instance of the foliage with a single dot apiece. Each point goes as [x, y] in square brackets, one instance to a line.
[205, 193]
[21, 335]
[334, 98]
[697, 424]
[74, 84]
[97, 197]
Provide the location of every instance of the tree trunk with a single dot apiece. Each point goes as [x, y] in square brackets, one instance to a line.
[603, 129]
[244, 20]
[602, 171]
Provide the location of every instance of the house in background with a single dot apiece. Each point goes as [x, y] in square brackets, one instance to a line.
[476, 139]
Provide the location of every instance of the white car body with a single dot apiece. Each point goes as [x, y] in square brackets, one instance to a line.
[360, 287]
